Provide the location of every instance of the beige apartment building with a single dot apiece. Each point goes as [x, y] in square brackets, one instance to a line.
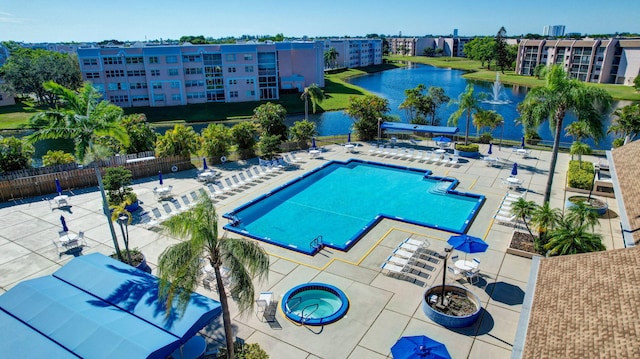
[415, 46]
[615, 61]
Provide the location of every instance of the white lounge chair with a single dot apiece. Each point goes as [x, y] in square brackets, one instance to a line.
[398, 260]
[415, 242]
[402, 253]
[244, 179]
[418, 155]
[505, 220]
[454, 160]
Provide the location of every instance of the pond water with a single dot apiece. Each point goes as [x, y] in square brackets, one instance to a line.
[391, 84]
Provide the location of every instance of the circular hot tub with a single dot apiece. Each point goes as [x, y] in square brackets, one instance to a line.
[314, 304]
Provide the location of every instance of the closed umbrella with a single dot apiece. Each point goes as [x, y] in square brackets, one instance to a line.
[522, 143]
[58, 187]
[204, 163]
[419, 347]
[349, 138]
[64, 224]
[160, 177]
[514, 170]
[313, 143]
[490, 147]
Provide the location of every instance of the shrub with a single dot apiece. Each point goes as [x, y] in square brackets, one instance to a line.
[532, 137]
[52, 158]
[618, 142]
[472, 147]
[580, 175]
[485, 138]
[117, 182]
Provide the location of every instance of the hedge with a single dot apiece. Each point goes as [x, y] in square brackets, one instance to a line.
[472, 147]
[580, 176]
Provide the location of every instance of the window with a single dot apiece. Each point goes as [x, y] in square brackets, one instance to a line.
[249, 81]
[193, 70]
[138, 85]
[193, 95]
[174, 84]
[0, 97]
[248, 69]
[92, 75]
[233, 94]
[172, 59]
[153, 60]
[191, 58]
[248, 57]
[230, 57]
[194, 83]
[155, 72]
[233, 82]
[232, 69]
[173, 72]
[115, 86]
[156, 85]
[140, 98]
[135, 60]
[90, 62]
[120, 98]
[176, 97]
[112, 60]
[251, 93]
[114, 73]
[136, 73]
[158, 97]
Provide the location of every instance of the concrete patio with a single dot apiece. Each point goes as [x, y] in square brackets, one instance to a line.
[382, 308]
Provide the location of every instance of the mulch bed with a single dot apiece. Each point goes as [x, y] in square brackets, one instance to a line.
[455, 304]
[523, 242]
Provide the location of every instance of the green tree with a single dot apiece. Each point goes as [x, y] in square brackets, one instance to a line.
[269, 146]
[142, 137]
[429, 52]
[578, 130]
[539, 71]
[303, 131]
[313, 92]
[15, 154]
[524, 209]
[568, 238]
[636, 83]
[271, 118]
[467, 103]
[245, 136]
[180, 141]
[579, 148]
[52, 158]
[501, 52]
[481, 49]
[216, 140]
[366, 111]
[330, 57]
[119, 211]
[545, 219]
[26, 70]
[436, 97]
[626, 122]
[581, 214]
[487, 118]
[179, 265]
[81, 117]
[551, 103]
[415, 104]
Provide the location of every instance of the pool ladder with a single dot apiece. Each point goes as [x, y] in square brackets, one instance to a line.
[304, 318]
[316, 243]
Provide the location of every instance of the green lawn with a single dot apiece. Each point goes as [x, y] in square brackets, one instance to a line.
[13, 117]
[618, 92]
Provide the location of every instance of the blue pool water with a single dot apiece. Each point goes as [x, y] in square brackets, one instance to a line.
[340, 202]
[315, 304]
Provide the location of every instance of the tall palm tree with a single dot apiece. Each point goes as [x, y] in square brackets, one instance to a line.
[524, 209]
[82, 117]
[467, 103]
[330, 56]
[626, 122]
[315, 93]
[568, 238]
[551, 103]
[487, 118]
[179, 265]
[579, 148]
[545, 219]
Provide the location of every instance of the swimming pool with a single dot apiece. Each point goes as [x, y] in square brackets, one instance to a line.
[315, 304]
[339, 202]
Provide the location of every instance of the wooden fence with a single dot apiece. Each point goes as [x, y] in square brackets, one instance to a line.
[39, 182]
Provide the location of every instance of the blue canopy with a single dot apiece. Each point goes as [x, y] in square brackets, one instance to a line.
[399, 126]
[97, 307]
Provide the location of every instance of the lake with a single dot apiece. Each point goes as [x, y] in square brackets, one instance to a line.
[391, 84]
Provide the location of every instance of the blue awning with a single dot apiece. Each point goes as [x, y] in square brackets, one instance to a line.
[400, 126]
[96, 307]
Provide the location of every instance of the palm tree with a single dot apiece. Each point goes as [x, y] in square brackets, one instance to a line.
[551, 103]
[81, 118]
[179, 265]
[467, 103]
[545, 219]
[626, 122]
[579, 148]
[578, 130]
[568, 238]
[330, 56]
[119, 211]
[487, 118]
[523, 209]
[581, 214]
[315, 93]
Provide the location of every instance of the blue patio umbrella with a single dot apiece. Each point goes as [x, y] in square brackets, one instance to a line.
[349, 138]
[442, 139]
[160, 177]
[490, 147]
[64, 224]
[204, 163]
[419, 347]
[514, 170]
[522, 143]
[58, 187]
[468, 244]
[313, 143]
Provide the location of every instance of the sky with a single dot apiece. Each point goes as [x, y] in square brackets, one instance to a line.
[138, 20]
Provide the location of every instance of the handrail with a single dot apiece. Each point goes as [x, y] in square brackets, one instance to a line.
[302, 316]
[288, 307]
[316, 242]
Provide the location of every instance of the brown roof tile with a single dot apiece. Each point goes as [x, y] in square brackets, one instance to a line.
[586, 306]
[627, 167]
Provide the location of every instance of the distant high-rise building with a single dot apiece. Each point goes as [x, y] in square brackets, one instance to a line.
[553, 30]
[455, 32]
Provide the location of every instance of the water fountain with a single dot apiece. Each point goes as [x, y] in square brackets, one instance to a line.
[499, 95]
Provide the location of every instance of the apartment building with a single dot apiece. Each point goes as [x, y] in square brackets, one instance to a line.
[355, 52]
[5, 98]
[553, 30]
[613, 60]
[415, 46]
[172, 75]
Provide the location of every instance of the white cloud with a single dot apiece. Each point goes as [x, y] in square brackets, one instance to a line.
[9, 18]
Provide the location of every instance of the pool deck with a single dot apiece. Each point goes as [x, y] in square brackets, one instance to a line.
[382, 308]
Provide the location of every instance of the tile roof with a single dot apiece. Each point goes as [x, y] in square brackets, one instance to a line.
[586, 306]
[627, 168]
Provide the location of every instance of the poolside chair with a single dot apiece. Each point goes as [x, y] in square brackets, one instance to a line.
[62, 234]
[259, 174]
[408, 154]
[415, 242]
[238, 182]
[248, 181]
[372, 150]
[476, 262]
[398, 260]
[296, 158]
[455, 272]
[267, 306]
[232, 186]
[214, 191]
[454, 160]
[251, 177]
[505, 220]
[418, 155]
[403, 253]
[473, 276]
[386, 150]
[409, 247]
[427, 156]
[454, 258]
[504, 213]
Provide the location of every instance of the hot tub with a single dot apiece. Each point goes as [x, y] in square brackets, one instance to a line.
[314, 304]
